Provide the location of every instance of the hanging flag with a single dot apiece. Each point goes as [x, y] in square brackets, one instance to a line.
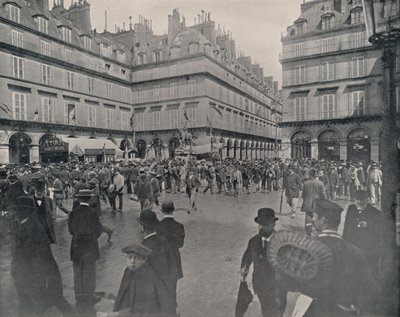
[185, 115]
[131, 120]
[4, 107]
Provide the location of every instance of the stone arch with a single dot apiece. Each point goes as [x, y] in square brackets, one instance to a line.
[328, 145]
[301, 144]
[242, 149]
[20, 143]
[338, 132]
[359, 145]
[235, 147]
[309, 132]
[229, 144]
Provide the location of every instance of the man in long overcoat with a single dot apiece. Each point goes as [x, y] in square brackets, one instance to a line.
[85, 228]
[34, 270]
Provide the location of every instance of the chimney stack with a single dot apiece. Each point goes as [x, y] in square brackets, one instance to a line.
[105, 21]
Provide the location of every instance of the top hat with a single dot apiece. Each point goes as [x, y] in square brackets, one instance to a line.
[265, 216]
[137, 248]
[167, 206]
[148, 218]
[85, 193]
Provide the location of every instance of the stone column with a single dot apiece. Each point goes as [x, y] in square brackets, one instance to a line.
[314, 149]
[4, 153]
[343, 149]
[34, 153]
[224, 151]
[375, 150]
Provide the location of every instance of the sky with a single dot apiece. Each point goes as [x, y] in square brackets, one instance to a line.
[256, 25]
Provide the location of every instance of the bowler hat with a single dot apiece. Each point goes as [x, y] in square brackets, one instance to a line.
[265, 216]
[326, 208]
[361, 195]
[148, 218]
[137, 248]
[167, 206]
[85, 193]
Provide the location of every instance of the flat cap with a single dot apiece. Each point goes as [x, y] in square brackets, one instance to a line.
[137, 248]
[85, 193]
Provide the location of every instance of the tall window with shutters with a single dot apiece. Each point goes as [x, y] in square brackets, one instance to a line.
[299, 49]
[357, 66]
[358, 105]
[109, 117]
[300, 74]
[125, 117]
[300, 108]
[46, 74]
[90, 85]
[156, 92]
[69, 78]
[43, 25]
[45, 48]
[139, 121]
[17, 38]
[19, 106]
[327, 71]
[66, 34]
[70, 114]
[357, 39]
[327, 45]
[173, 90]
[14, 12]
[327, 106]
[91, 115]
[47, 109]
[18, 67]
[69, 56]
[108, 90]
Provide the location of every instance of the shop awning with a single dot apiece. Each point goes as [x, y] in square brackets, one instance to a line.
[92, 147]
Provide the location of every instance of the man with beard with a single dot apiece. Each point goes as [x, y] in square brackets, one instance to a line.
[34, 271]
[272, 297]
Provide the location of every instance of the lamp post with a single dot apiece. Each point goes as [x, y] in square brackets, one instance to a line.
[382, 21]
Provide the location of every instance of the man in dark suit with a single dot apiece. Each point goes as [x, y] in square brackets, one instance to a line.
[272, 297]
[85, 228]
[44, 209]
[352, 286]
[174, 232]
[162, 258]
[141, 292]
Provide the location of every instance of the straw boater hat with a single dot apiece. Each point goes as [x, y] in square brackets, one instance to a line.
[301, 258]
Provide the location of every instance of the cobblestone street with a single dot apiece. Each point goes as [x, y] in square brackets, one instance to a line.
[216, 237]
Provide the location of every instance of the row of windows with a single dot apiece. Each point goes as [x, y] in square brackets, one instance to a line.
[48, 111]
[326, 45]
[357, 68]
[70, 79]
[328, 106]
[14, 14]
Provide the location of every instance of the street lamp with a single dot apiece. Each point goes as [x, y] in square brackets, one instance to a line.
[382, 21]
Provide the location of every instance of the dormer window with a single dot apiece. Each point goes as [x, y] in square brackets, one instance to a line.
[356, 15]
[105, 50]
[328, 21]
[14, 12]
[43, 24]
[300, 26]
[87, 43]
[66, 34]
[121, 57]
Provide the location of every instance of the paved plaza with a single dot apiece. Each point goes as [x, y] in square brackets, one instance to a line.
[216, 237]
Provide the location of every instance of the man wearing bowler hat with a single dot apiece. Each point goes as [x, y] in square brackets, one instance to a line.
[272, 297]
[174, 232]
[352, 286]
[85, 227]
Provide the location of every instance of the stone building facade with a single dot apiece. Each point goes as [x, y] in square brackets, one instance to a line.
[332, 84]
[61, 80]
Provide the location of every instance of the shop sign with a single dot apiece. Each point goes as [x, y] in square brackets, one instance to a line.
[53, 144]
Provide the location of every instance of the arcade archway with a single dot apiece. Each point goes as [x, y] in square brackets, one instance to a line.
[328, 146]
[358, 146]
[301, 145]
[19, 148]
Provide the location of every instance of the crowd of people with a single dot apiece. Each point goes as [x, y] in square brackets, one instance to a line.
[31, 195]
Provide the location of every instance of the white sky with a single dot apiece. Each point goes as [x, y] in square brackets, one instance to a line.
[256, 25]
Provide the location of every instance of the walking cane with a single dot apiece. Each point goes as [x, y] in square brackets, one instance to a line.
[280, 207]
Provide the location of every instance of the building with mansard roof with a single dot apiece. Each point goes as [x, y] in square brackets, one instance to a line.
[332, 84]
[63, 84]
